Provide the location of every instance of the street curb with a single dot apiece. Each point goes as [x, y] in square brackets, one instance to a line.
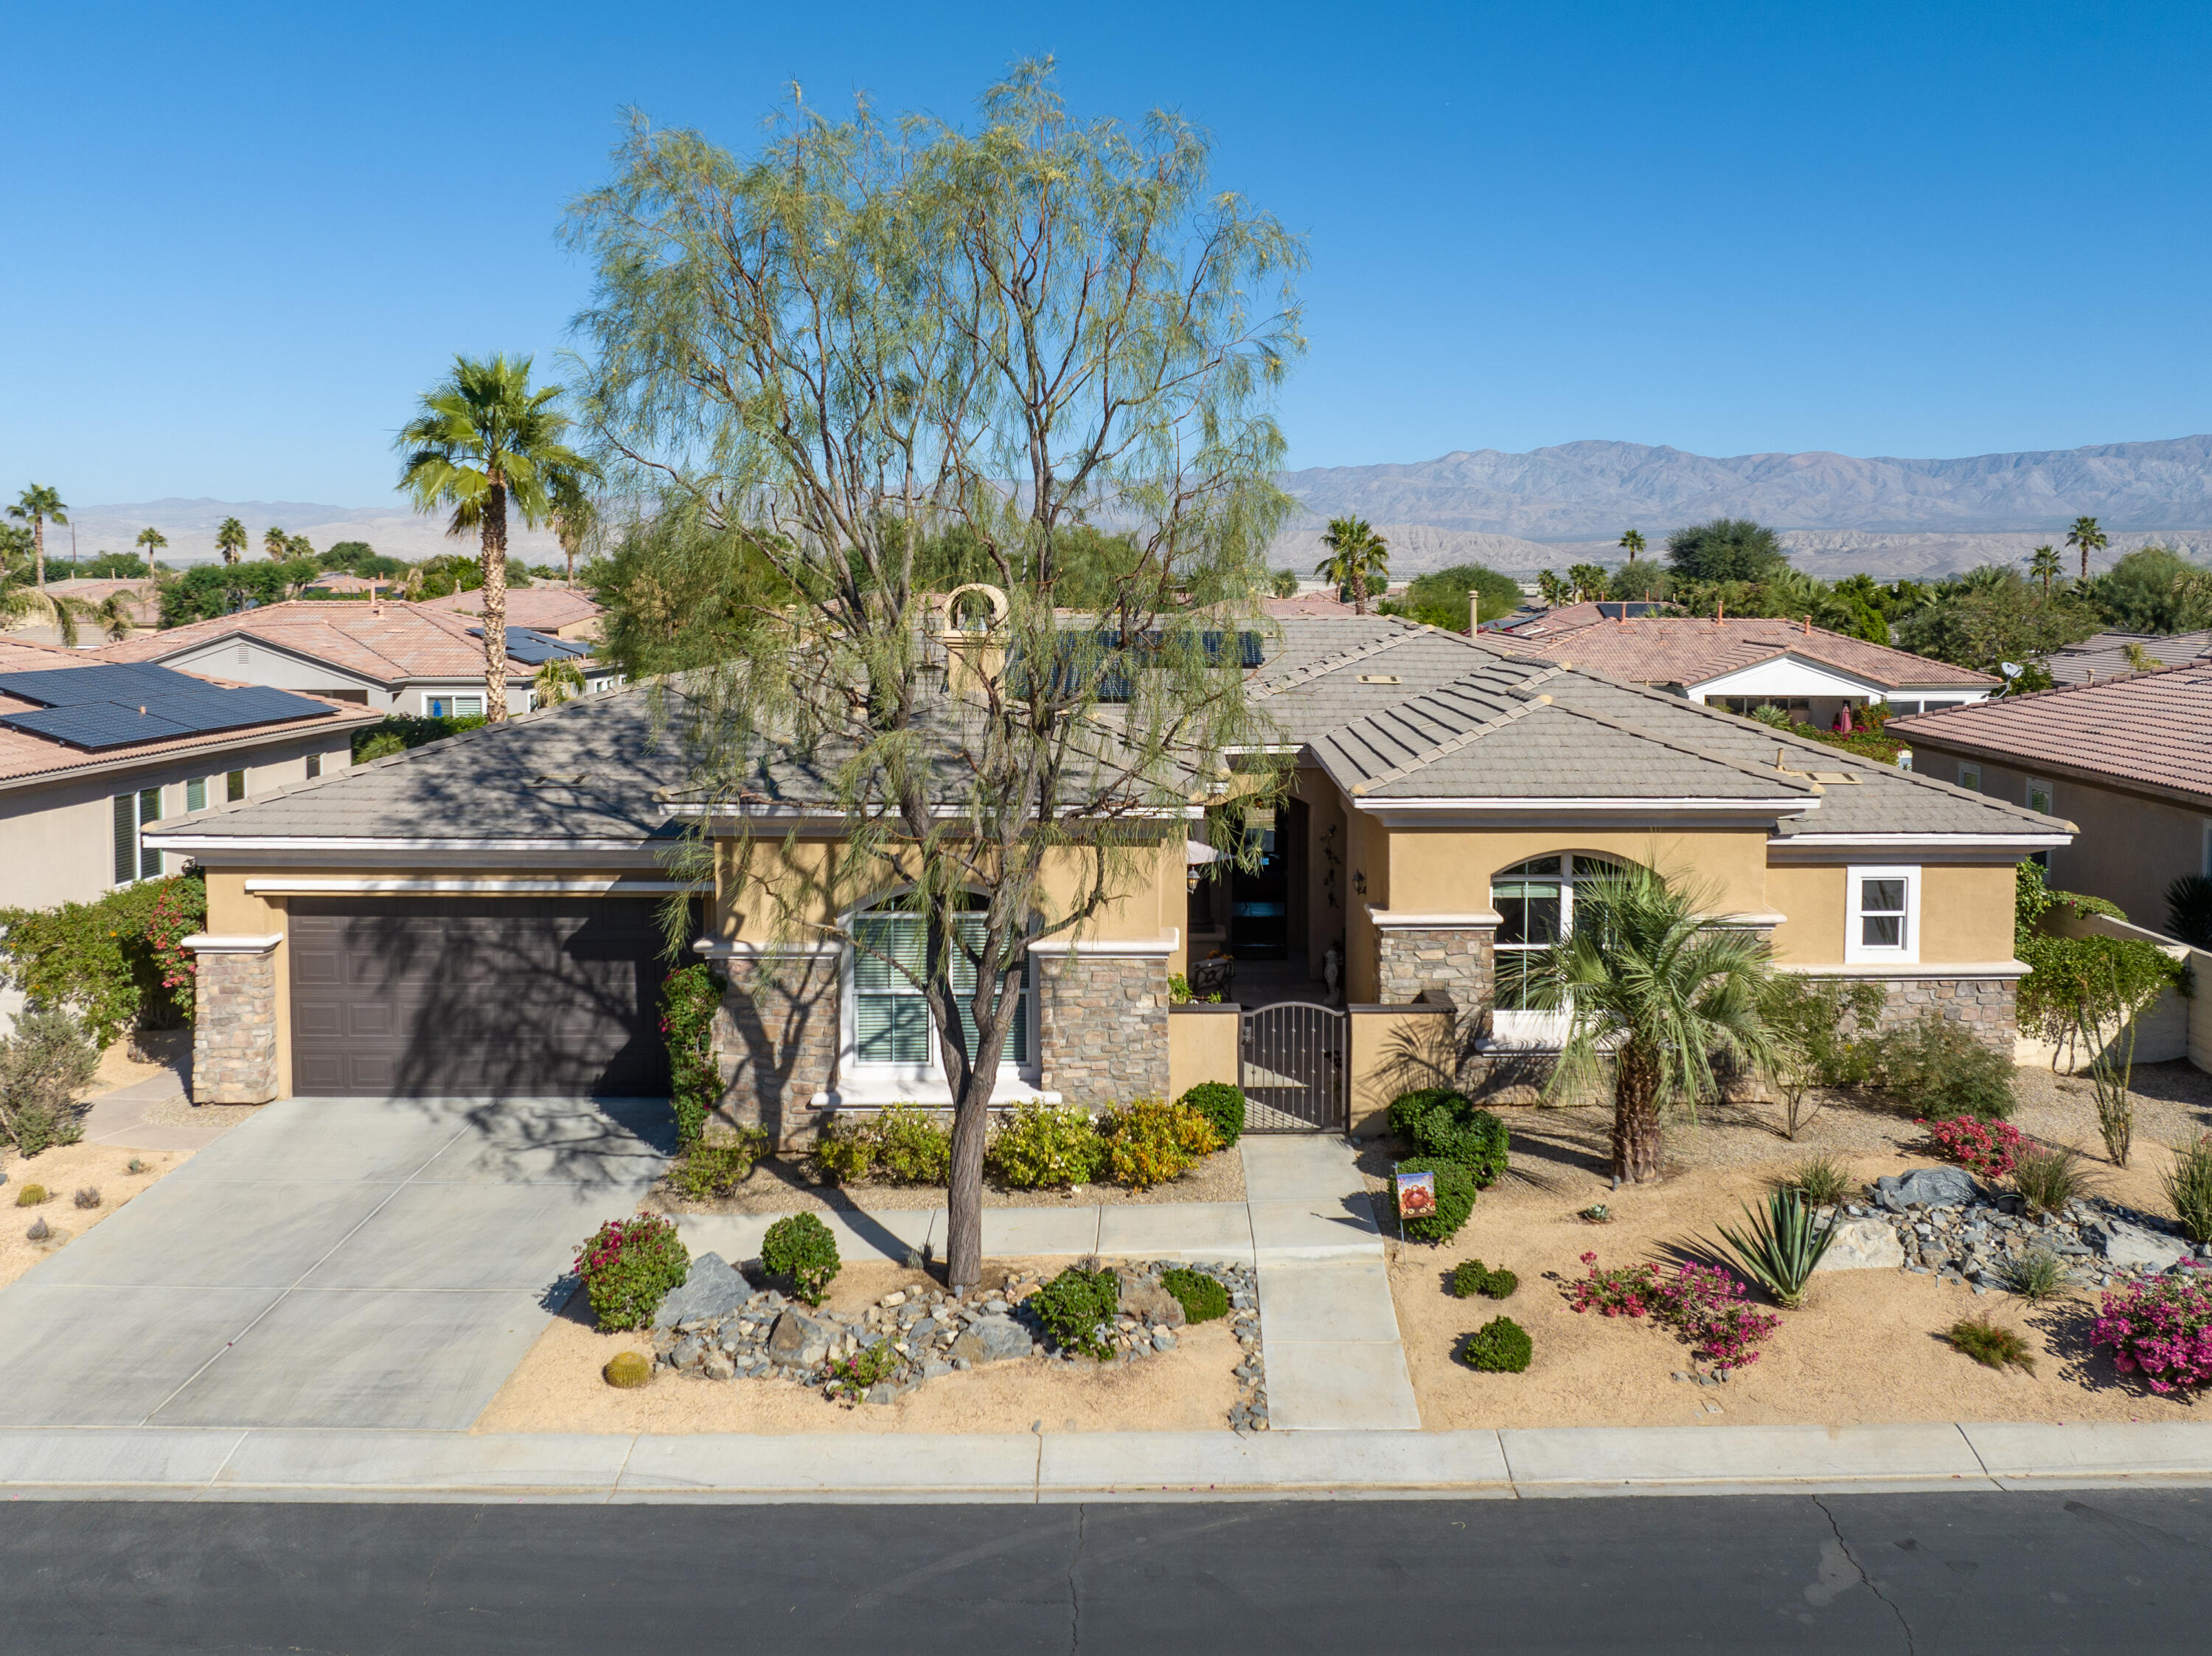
[139, 1464]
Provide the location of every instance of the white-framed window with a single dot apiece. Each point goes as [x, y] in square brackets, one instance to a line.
[233, 786]
[890, 1035]
[131, 812]
[314, 765]
[196, 794]
[452, 705]
[2038, 795]
[1970, 776]
[1536, 905]
[1884, 919]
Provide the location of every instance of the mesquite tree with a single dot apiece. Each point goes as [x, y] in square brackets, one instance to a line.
[867, 343]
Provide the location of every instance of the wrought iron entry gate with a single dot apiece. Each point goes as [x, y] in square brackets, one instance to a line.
[1291, 1064]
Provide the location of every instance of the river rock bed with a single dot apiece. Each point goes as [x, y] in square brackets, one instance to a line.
[1948, 1226]
[719, 1326]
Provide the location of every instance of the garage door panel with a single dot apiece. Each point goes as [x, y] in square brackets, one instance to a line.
[478, 997]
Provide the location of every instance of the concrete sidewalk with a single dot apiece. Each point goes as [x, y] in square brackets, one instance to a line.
[141, 1464]
[119, 1118]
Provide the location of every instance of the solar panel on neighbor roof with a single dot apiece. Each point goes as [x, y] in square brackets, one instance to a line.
[130, 682]
[206, 709]
[229, 710]
[95, 724]
[535, 649]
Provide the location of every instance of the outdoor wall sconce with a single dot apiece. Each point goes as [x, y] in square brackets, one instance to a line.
[1360, 881]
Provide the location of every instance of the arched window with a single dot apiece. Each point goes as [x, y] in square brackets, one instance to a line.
[1535, 903]
[891, 1027]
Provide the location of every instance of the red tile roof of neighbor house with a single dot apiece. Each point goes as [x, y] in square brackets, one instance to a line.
[1689, 650]
[24, 753]
[540, 608]
[390, 643]
[2153, 727]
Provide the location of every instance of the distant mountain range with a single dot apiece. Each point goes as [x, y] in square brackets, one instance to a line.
[191, 526]
[1888, 516]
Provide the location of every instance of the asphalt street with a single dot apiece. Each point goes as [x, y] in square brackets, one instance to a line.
[2086, 1571]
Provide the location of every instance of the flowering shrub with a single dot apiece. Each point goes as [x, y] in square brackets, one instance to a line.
[1984, 1147]
[102, 959]
[2162, 1330]
[689, 995]
[1703, 1304]
[1045, 1146]
[1149, 1141]
[179, 911]
[628, 1266]
[851, 1377]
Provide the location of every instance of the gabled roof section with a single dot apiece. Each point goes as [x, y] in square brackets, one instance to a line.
[1691, 650]
[389, 644]
[2106, 655]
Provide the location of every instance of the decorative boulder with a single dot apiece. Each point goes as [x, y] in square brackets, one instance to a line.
[713, 1288]
[993, 1339]
[2127, 1244]
[799, 1339]
[628, 1370]
[1929, 1187]
[1867, 1244]
[1143, 1297]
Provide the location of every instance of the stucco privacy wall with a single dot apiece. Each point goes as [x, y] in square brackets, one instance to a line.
[1202, 1046]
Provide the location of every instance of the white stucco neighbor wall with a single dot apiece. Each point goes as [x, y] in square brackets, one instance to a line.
[1789, 675]
[249, 661]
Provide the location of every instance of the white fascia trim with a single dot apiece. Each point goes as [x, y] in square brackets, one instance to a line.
[1140, 949]
[1730, 922]
[2006, 841]
[1399, 920]
[201, 943]
[721, 949]
[225, 842]
[1904, 968]
[1793, 804]
[276, 886]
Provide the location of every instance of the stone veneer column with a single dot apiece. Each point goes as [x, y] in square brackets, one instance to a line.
[233, 1019]
[1104, 1027]
[1988, 1006]
[776, 1043]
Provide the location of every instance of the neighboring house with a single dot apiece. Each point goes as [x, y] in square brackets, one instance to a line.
[347, 583]
[480, 916]
[83, 770]
[556, 611]
[396, 658]
[2106, 655]
[1743, 664]
[141, 603]
[2129, 760]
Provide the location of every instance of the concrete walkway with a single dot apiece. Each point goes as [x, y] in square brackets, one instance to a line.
[120, 1118]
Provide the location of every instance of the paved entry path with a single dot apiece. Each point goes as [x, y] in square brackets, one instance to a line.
[330, 1263]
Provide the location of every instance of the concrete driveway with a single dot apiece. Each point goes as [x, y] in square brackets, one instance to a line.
[332, 1262]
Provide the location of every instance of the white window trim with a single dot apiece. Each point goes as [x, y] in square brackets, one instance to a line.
[1516, 1029]
[432, 697]
[1969, 769]
[859, 1082]
[1855, 951]
[2050, 795]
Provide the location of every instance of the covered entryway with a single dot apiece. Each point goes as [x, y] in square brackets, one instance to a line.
[1291, 1064]
[477, 997]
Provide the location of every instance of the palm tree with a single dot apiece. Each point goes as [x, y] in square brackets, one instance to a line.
[230, 539]
[40, 504]
[274, 541]
[1633, 541]
[483, 442]
[1649, 979]
[116, 614]
[153, 540]
[20, 600]
[574, 515]
[1359, 559]
[2042, 564]
[2086, 534]
[557, 681]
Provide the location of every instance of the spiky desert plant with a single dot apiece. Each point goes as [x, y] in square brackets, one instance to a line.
[1782, 1246]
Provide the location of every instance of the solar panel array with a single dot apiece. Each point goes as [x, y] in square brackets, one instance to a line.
[535, 649]
[116, 706]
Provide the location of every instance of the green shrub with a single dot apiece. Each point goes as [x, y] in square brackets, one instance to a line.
[2035, 1275]
[799, 1248]
[851, 1377]
[1149, 1141]
[43, 1065]
[629, 1267]
[2189, 1187]
[708, 1170]
[1990, 1345]
[1501, 1285]
[1077, 1308]
[690, 995]
[845, 1151]
[2047, 1176]
[912, 1147]
[1500, 1346]
[1044, 1146]
[1472, 1277]
[1455, 1199]
[1221, 1104]
[100, 959]
[1202, 1297]
[1942, 1069]
[1822, 1180]
[1446, 1125]
[397, 733]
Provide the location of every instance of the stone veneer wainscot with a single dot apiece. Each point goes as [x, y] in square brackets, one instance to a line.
[1104, 1024]
[234, 1018]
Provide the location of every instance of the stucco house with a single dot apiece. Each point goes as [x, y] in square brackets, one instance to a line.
[396, 658]
[544, 607]
[481, 916]
[1743, 663]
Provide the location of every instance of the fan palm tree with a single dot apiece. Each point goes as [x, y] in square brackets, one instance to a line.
[1634, 543]
[1647, 978]
[1358, 558]
[574, 516]
[39, 505]
[153, 540]
[485, 444]
[2086, 534]
[275, 543]
[21, 600]
[557, 681]
[2042, 564]
[230, 539]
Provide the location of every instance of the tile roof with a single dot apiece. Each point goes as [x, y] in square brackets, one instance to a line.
[2106, 656]
[1690, 650]
[391, 643]
[24, 755]
[2153, 728]
[544, 607]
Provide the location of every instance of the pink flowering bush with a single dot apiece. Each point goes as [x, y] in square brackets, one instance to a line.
[2160, 1330]
[1984, 1147]
[628, 1268]
[1703, 1304]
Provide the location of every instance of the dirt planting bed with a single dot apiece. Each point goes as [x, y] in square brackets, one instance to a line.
[65, 1170]
[780, 1184]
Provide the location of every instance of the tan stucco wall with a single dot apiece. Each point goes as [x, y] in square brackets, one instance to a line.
[1202, 1047]
[1966, 910]
[1394, 1051]
[1814, 897]
[1328, 905]
[1448, 870]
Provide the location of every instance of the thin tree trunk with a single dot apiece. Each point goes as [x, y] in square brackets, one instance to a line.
[38, 540]
[963, 1222]
[495, 600]
[1636, 1127]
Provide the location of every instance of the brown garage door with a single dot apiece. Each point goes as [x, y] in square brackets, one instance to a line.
[477, 997]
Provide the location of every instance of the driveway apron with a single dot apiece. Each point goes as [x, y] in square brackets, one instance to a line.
[330, 1262]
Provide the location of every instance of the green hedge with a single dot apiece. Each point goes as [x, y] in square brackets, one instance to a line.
[1455, 1199]
[114, 961]
[397, 733]
[689, 995]
[1441, 1123]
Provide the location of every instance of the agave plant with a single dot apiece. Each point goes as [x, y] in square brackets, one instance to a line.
[1781, 1248]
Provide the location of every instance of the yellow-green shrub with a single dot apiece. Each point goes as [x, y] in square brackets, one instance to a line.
[1149, 1141]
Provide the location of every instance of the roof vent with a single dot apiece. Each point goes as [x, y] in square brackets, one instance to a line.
[1380, 678]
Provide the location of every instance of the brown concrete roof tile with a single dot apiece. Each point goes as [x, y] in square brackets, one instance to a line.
[1688, 650]
[2153, 727]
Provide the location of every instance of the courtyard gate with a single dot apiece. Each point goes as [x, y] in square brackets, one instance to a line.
[1290, 1062]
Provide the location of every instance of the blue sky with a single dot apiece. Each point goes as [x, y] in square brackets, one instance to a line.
[244, 237]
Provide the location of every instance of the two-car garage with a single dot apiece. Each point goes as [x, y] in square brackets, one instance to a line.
[474, 996]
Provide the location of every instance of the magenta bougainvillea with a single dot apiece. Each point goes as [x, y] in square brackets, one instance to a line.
[2162, 1330]
[1703, 1304]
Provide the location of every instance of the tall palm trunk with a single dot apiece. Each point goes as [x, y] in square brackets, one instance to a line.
[494, 598]
[38, 541]
[1636, 1127]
